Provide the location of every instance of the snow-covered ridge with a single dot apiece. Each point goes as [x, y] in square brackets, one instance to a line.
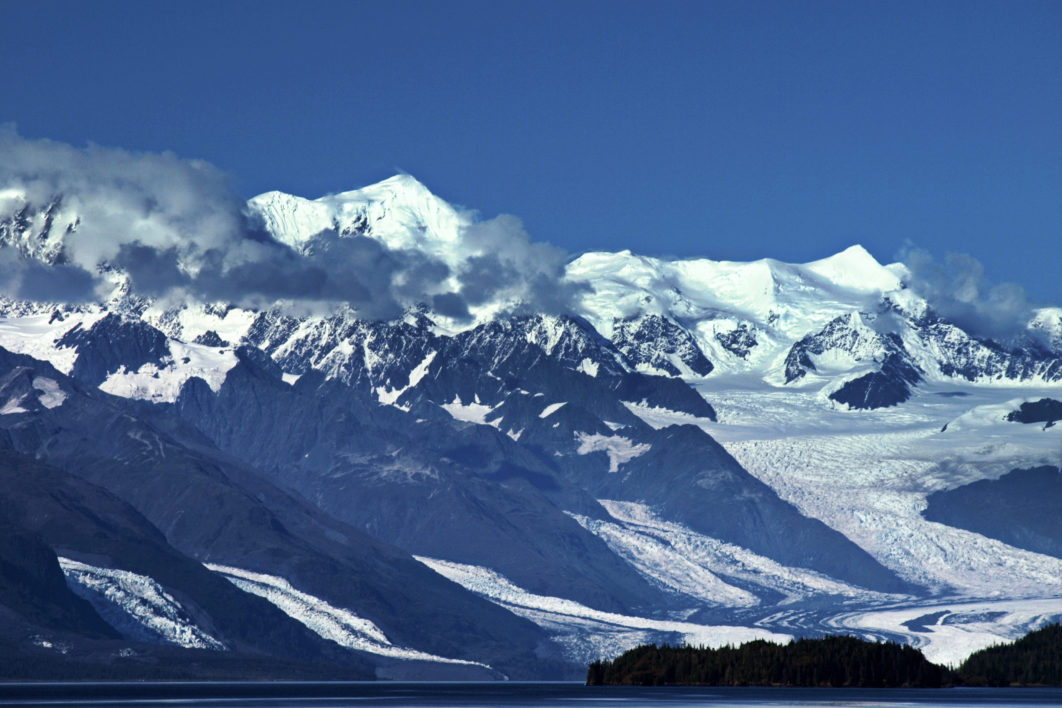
[790, 298]
[334, 623]
[741, 318]
[136, 605]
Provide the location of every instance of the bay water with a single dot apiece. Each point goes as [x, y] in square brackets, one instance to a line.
[402, 694]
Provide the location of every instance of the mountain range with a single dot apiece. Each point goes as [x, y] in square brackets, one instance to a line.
[525, 465]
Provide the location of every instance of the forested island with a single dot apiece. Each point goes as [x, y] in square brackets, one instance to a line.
[839, 661]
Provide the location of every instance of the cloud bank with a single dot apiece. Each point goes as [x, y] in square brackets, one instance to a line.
[178, 229]
[958, 290]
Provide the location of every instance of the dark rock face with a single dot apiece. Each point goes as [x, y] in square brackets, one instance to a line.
[877, 389]
[654, 341]
[739, 341]
[972, 359]
[51, 633]
[1019, 508]
[112, 343]
[1046, 410]
[435, 486]
[662, 392]
[32, 586]
[880, 389]
[840, 333]
[210, 338]
[890, 385]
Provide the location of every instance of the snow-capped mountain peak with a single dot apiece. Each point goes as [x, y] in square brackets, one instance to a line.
[855, 269]
[399, 211]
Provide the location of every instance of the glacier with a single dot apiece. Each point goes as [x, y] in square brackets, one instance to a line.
[137, 605]
[337, 624]
[590, 634]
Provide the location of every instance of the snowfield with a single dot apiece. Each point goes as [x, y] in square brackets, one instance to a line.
[474, 412]
[35, 333]
[50, 395]
[618, 448]
[163, 384]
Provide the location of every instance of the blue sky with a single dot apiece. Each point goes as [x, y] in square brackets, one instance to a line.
[724, 129]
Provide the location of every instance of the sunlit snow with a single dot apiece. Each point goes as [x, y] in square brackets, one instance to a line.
[162, 384]
[36, 334]
[50, 396]
[588, 367]
[12, 407]
[474, 412]
[656, 417]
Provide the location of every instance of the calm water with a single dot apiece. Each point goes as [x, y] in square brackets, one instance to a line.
[397, 695]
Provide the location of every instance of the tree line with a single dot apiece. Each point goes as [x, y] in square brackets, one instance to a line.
[836, 661]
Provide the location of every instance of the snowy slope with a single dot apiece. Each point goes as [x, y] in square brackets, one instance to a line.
[787, 300]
